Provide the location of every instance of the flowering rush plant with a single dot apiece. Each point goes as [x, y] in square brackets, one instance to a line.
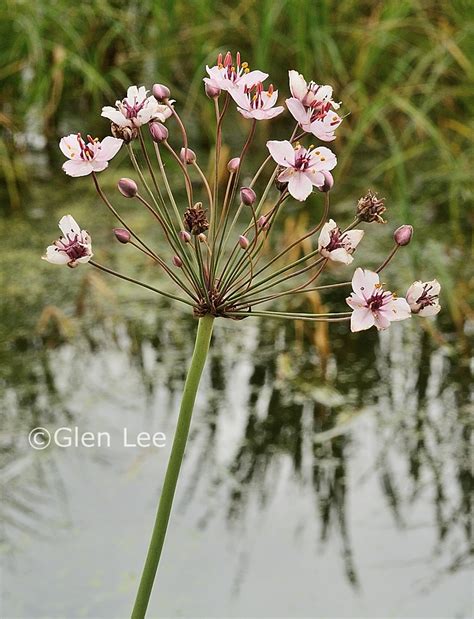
[216, 248]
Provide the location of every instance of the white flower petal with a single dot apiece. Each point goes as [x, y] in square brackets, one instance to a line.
[299, 186]
[115, 116]
[77, 167]
[55, 256]
[362, 319]
[68, 225]
[282, 152]
[108, 148]
[69, 146]
[298, 85]
[364, 282]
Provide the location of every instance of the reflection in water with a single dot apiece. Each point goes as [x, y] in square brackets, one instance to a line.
[270, 406]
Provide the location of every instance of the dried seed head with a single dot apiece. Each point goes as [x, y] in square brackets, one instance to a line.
[161, 92]
[370, 208]
[195, 219]
[403, 234]
[122, 235]
[127, 134]
[187, 155]
[233, 165]
[243, 242]
[159, 133]
[127, 187]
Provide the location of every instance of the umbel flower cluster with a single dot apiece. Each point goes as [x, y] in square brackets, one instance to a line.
[216, 243]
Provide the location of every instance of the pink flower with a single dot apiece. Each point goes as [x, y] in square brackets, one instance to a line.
[422, 297]
[71, 248]
[229, 77]
[85, 158]
[136, 109]
[336, 245]
[372, 304]
[254, 102]
[303, 167]
[313, 107]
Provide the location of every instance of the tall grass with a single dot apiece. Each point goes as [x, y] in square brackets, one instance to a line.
[403, 69]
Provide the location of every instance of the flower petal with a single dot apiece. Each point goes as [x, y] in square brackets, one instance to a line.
[325, 234]
[400, 309]
[115, 116]
[70, 146]
[364, 282]
[299, 186]
[68, 225]
[362, 319]
[108, 148]
[77, 167]
[282, 152]
[340, 255]
[354, 237]
[55, 256]
[251, 78]
[430, 310]
[299, 112]
[298, 85]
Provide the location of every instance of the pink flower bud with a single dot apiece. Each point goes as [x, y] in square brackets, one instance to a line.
[177, 261]
[233, 164]
[161, 92]
[403, 234]
[262, 222]
[127, 187]
[328, 181]
[185, 236]
[212, 91]
[159, 133]
[243, 242]
[202, 237]
[248, 196]
[122, 235]
[187, 155]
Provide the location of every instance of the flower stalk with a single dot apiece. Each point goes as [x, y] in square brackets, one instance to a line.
[198, 360]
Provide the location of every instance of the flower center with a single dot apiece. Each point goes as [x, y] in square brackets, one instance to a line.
[131, 111]
[338, 240]
[72, 246]
[378, 300]
[87, 152]
[233, 72]
[426, 298]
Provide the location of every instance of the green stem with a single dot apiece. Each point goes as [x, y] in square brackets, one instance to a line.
[201, 348]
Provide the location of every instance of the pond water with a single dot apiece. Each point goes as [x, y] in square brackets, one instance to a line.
[326, 475]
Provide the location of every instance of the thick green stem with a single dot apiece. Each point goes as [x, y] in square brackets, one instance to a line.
[201, 348]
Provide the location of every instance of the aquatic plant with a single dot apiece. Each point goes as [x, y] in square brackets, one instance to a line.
[220, 251]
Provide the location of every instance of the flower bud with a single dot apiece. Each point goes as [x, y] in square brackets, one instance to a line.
[248, 196]
[122, 235]
[202, 237]
[403, 234]
[127, 187]
[161, 92]
[328, 181]
[262, 222]
[187, 156]
[212, 91]
[185, 236]
[177, 261]
[159, 133]
[243, 242]
[233, 165]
